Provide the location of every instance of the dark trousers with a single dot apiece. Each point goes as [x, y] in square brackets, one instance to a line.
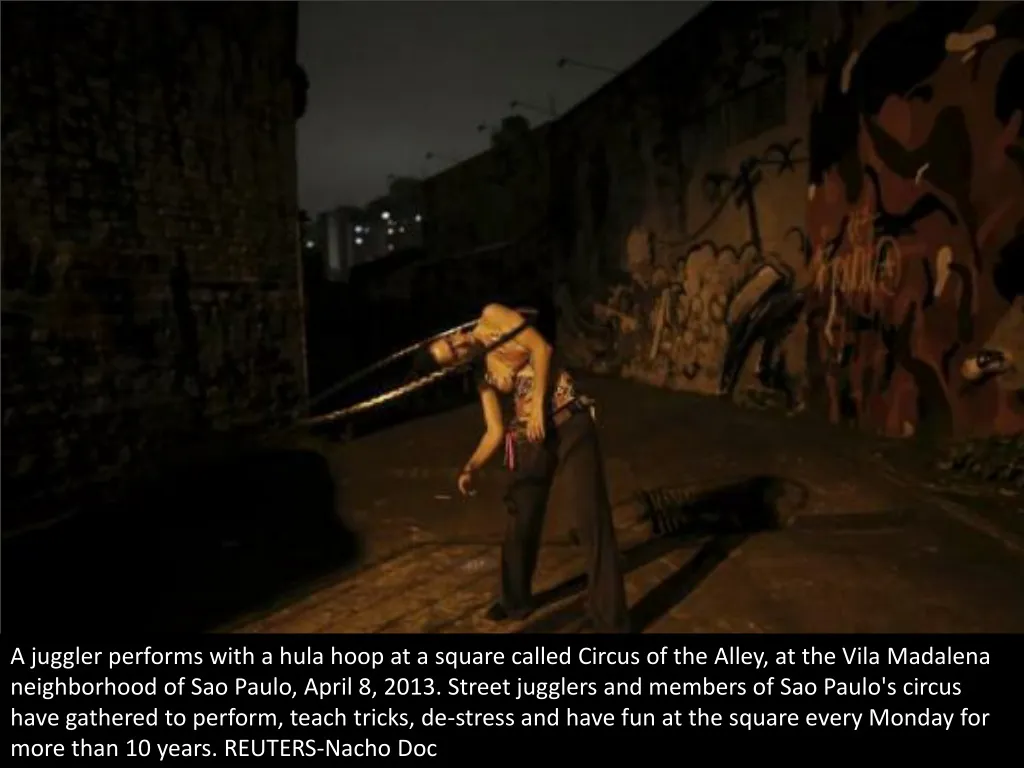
[571, 450]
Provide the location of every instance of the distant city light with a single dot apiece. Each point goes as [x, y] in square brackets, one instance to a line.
[359, 241]
[310, 244]
[391, 246]
[401, 229]
[358, 229]
[391, 230]
[419, 218]
[385, 215]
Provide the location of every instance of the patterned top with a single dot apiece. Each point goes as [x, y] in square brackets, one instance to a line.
[509, 371]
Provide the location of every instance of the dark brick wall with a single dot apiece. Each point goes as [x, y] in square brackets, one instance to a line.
[150, 265]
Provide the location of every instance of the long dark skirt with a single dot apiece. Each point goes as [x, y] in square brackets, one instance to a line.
[572, 451]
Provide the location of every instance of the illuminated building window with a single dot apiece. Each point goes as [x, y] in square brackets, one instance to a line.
[385, 215]
[391, 246]
[401, 230]
[391, 230]
[359, 241]
[418, 218]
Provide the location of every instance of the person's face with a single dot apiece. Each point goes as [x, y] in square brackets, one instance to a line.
[452, 349]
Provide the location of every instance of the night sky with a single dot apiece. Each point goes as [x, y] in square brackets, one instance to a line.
[391, 82]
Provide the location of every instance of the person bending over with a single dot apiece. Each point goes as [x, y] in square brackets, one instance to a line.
[552, 431]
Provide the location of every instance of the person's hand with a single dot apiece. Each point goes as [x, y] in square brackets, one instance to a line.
[535, 426]
[465, 482]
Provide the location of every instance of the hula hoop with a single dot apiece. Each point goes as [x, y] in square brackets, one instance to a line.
[373, 402]
[411, 386]
[374, 367]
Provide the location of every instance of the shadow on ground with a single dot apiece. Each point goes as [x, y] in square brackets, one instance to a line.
[722, 518]
[188, 553]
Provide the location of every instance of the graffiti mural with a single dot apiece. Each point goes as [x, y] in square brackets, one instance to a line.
[889, 291]
[916, 216]
[691, 319]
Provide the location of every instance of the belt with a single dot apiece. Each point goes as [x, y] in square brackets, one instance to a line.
[560, 417]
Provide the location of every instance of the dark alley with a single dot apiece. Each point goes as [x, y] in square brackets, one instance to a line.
[759, 272]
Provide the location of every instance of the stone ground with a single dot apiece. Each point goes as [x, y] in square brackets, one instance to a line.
[864, 546]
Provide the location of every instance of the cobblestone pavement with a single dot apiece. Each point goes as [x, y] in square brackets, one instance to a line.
[862, 548]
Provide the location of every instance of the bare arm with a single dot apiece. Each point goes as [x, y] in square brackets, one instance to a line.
[539, 349]
[493, 434]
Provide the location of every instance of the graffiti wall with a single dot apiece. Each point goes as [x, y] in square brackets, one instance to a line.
[686, 208]
[812, 204]
[916, 216]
